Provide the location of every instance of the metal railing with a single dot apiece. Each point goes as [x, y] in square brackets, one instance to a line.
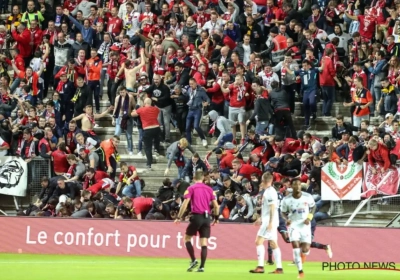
[37, 168]
[372, 205]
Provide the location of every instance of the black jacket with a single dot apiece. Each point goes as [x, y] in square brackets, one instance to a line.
[162, 93]
[343, 152]
[71, 190]
[239, 48]
[347, 127]
[98, 39]
[256, 35]
[76, 47]
[85, 98]
[292, 168]
[183, 78]
[190, 168]
[46, 193]
[279, 99]
[262, 109]
[305, 44]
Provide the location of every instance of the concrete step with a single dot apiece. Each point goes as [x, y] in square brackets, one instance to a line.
[337, 107]
[108, 132]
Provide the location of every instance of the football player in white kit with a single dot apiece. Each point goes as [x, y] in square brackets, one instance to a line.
[269, 223]
[298, 209]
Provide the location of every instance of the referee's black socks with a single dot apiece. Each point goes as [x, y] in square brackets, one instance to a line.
[203, 256]
[190, 250]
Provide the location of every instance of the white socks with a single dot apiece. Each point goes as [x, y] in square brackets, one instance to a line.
[278, 257]
[297, 259]
[260, 255]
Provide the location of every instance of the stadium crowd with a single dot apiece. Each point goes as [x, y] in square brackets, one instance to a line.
[240, 64]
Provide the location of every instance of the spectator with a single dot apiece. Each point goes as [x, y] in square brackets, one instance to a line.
[280, 103]
[361, 99]
[129, 181]
[378, 157]
[197, 100]
[192, 166]
[151, 129]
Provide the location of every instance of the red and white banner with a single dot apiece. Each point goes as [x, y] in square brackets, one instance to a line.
[102, 237]
[386, 183]
[341, 182]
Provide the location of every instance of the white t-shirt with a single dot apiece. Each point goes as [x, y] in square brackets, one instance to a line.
[246, 55]
[270, 197]
[90, 144]
[211, 26]
[298, 209]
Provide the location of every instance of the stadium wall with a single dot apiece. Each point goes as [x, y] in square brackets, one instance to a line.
[165, 239]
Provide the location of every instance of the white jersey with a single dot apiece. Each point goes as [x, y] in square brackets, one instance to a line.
[270, 197]
[267, 79]
[298, 209]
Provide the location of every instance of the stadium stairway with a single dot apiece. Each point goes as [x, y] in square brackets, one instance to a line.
[320, 128]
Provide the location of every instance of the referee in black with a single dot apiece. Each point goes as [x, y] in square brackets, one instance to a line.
[199, 195]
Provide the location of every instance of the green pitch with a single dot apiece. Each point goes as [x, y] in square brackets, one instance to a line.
[62, 267]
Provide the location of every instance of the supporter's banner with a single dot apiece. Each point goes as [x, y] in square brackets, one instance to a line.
[13, 176]
[341, 182]
[103, 237]
[380, 183]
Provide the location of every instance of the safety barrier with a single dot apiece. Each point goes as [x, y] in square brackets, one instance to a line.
[166, 240]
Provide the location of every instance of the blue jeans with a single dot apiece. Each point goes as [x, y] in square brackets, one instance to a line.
[128, 131]
[194, 117]
[376, 95]
[309, 105]
[328, 94]
[226, 109]
[15, 84]
[180, 168]
[226, 138]
[133, 190]
[261, 127]
[319, 216]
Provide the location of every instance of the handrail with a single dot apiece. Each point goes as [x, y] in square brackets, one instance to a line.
[363, 203]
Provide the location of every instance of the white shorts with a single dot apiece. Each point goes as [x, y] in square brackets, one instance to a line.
[268, 235]
[301, 234]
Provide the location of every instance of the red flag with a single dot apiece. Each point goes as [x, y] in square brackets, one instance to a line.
[380, 183]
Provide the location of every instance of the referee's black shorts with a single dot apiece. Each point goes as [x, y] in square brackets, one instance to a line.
[199, 223]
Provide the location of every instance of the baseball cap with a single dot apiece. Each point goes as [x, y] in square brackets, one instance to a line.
[274, 160]
[229, 146]
[388, 115]
[304, 157]
[115, 48]
[143, 75]
[175, 182]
